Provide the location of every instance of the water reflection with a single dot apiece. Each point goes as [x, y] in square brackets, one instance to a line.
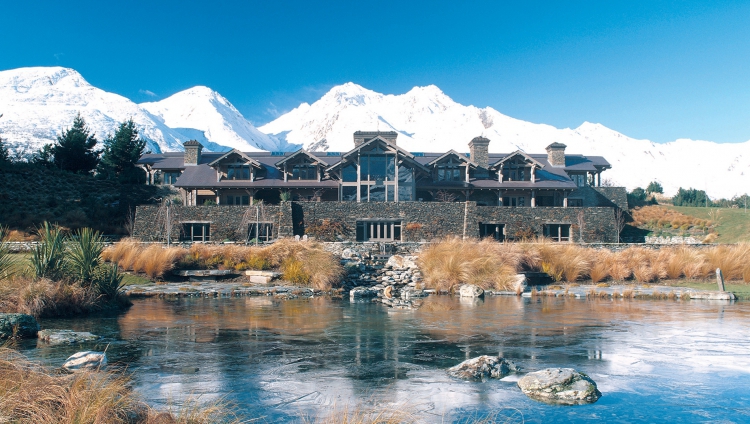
[662, 360]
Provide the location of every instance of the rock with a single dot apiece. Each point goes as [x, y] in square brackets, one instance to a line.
[483, 367]
[407, 294]
[18, 325]
[388, 292]
[362, 293]
[56, 337]
[349, 254]
[564, 386]
[521, 284]
[470, 290]
[86, 360]
[400, 262]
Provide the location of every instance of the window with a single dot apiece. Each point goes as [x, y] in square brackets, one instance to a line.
[305, 172]
[379, 230]
[557, 232]
[349, 173]
[493, 230]
[238, 200]
[170, 177]
[262, 231]
[519, 201]
[349, 193]
[449, 171]
[238, 172]
[579, 179]
[575, 203]
[196, 231]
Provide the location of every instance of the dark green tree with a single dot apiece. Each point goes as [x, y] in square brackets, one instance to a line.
[4, 156]
[654, 187]
[121, 152]
[691, 197]
[43, 156]
[74, 149]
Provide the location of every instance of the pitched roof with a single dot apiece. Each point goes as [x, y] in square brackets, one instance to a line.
[301, 152]
[514, 154]
[237, 152]
[461, 157]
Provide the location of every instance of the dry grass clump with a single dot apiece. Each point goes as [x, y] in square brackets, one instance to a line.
[30, 393]
[600, 268]
[47, 298]
[124, 253]
[661, 217]
[485, 263]
[731, 259]
[156, 260]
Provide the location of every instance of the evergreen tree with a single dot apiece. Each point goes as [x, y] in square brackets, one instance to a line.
[43, 156]
[654, 187]
[4, 156]
[691, 197]
[121, 152]
[74, 149]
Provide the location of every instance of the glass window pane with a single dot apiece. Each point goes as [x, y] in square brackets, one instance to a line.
[391, 192]
[377, 193]
[391, 167]
[349, 193]
[363, 193]
[349, 173]
[405, 193]
[377, 167]
[405, 175]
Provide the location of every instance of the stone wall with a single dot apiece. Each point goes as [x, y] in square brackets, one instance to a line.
[225, 221]
[420, 221]
[617, 195]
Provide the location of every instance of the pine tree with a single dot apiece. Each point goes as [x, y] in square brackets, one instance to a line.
[121, 152]
[4, 156]
[74, 149]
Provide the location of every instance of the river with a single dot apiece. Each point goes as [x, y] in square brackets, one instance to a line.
[669, 361]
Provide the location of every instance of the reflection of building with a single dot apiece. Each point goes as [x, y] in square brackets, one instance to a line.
[381, 192]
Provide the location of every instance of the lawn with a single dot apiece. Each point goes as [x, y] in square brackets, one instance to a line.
[741, 290]
[733, 224]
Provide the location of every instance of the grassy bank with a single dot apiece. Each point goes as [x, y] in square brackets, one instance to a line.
[31, 393]
[732, 225]
[64, 275]
[492, 265]
[300, 263]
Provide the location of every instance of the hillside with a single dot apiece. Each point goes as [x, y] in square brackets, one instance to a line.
[732, 225]
[32, 194]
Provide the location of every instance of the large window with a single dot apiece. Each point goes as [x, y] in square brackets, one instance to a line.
[514, 201]
[575, 202]
[168, 177]
[493, 230]
[579, 179]
[388, 230]
[262, 231]
[557, 232]
[304, 172]
[196, 231]
[238, 172]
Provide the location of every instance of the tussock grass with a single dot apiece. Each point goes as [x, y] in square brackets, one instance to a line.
[487, 264]
[302, 263]
[30, 393]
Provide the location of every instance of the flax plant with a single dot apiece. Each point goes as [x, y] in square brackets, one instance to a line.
[47, 257]
[84, 254]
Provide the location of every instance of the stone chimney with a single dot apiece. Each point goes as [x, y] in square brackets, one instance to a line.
[361, 137]
[478, 151]
[556, 154]
[193, 151]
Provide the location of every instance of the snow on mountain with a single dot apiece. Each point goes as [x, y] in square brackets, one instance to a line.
[200, 108]
[429, 120]
[37, 103]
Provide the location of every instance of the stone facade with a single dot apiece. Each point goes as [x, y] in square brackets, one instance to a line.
[420, 221]
[478, 151]
[602, 196]
[556, 154]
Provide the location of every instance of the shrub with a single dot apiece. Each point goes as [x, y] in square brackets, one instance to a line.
[107, 281]
[327, 230]
[47, 257]
[7, 264]
[84, 254]
[293, 271]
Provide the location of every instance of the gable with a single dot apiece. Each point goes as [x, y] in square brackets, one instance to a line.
[235, 156]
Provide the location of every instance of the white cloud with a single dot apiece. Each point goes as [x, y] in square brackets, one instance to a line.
[147, 92]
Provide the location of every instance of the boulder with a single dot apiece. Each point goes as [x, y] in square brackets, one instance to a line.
[86, 360]
[562, 386]
[470, 290]
[401, 262]
[362, 293]
[57, 337]
[412, 293]
[18, 325]
[350, 254]
[521, 284]
[483, 367]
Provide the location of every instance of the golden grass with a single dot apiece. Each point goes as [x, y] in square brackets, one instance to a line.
[659, 216]
[488, 264]
[46, 298]
[30, 393]
[303, 263]
[452, 262]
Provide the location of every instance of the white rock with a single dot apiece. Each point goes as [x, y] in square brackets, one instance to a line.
[470, 290]
[564, 386]
[483, 367]
[86, 360]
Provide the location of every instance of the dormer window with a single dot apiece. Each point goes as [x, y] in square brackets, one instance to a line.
[238, 172]
[305, 172]
[449, 171]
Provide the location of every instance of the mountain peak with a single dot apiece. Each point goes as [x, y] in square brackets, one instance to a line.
[23, 80]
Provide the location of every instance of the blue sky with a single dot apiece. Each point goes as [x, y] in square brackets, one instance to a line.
[654, 69]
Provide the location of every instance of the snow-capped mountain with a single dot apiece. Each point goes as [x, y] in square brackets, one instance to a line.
[204, 111]
[428, 120]
[37, 103]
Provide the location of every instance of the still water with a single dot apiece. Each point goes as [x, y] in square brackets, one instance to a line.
[654, 361]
